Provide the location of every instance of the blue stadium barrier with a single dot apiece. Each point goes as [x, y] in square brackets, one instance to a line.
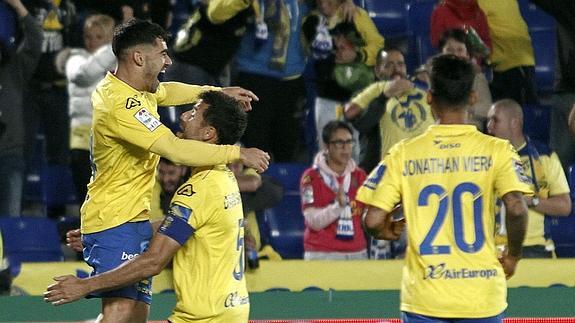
[562, 229]
[286, 225]
[419, 21]
[30, 239]
[537, 122]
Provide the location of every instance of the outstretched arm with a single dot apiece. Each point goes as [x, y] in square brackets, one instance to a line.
[69, 288]
[197, 153]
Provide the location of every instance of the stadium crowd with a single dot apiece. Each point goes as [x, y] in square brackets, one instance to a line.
[332, 90]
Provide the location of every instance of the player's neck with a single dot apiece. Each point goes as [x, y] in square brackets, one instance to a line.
[132, 78]
[452, 117]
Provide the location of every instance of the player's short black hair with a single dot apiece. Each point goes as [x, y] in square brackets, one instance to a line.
[136, 32]
[226, 115]
[451, 81]
[331, 127]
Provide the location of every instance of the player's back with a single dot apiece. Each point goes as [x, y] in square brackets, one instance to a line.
[448, 179]
[209, 268]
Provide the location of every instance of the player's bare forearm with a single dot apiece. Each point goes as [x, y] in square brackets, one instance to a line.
[68, 289]
[379, 224]
[515, 222]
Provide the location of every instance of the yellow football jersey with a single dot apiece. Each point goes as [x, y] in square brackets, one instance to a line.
[405, 116]
[125, 125]
[209, 268]
[447, 180]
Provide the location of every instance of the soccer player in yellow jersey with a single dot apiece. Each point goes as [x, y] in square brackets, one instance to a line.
[204, 232]
[447, 180]
[127, 142]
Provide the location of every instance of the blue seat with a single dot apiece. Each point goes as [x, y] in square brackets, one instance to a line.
[30, 239]
[8, 26]
[389, 16]
[537, 122]
[544, 43]
[57, 185]
[288, 174]
[419, 21]
[535, 18]
[286, 227]
[562, 229]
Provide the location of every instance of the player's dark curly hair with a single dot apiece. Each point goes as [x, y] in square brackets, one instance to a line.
[136, 32]
[451, 81]
[226, 115]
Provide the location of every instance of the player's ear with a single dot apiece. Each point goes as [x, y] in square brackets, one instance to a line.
[429, 97]
[138, 57]
[210, 134]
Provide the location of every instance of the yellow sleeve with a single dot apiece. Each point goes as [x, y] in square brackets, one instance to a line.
[193, 201]
[176, 93]
[509, 174]
[141, 127]
[370, 35]
[382, 188]
[219, 11]
[251, 172]
[193, 152]
[555, 175]
[370, 93]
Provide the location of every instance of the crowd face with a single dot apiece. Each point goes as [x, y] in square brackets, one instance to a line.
[156, 61]
[328, 8]
[340, 147]
[192, 122]
[499, 123]
[456, 48]
[391, 66]
[95, 37]
[169, 176]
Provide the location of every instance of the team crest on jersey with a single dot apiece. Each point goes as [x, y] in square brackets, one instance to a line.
[307, 196]
[410, 114]
[132, 103]
[186, 190]
[520, 172]
[147, 119]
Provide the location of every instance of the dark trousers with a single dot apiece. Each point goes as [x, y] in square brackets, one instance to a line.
[517, 83]
[81, 172]
[46, 111]
[275, 123]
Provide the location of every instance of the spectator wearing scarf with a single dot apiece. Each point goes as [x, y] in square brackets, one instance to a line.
[328, 188]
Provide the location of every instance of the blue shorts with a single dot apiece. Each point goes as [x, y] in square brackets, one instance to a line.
[108, 249]
[407, 317]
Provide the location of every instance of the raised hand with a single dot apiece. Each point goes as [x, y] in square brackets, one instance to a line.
[255, 158]
[245, 97]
